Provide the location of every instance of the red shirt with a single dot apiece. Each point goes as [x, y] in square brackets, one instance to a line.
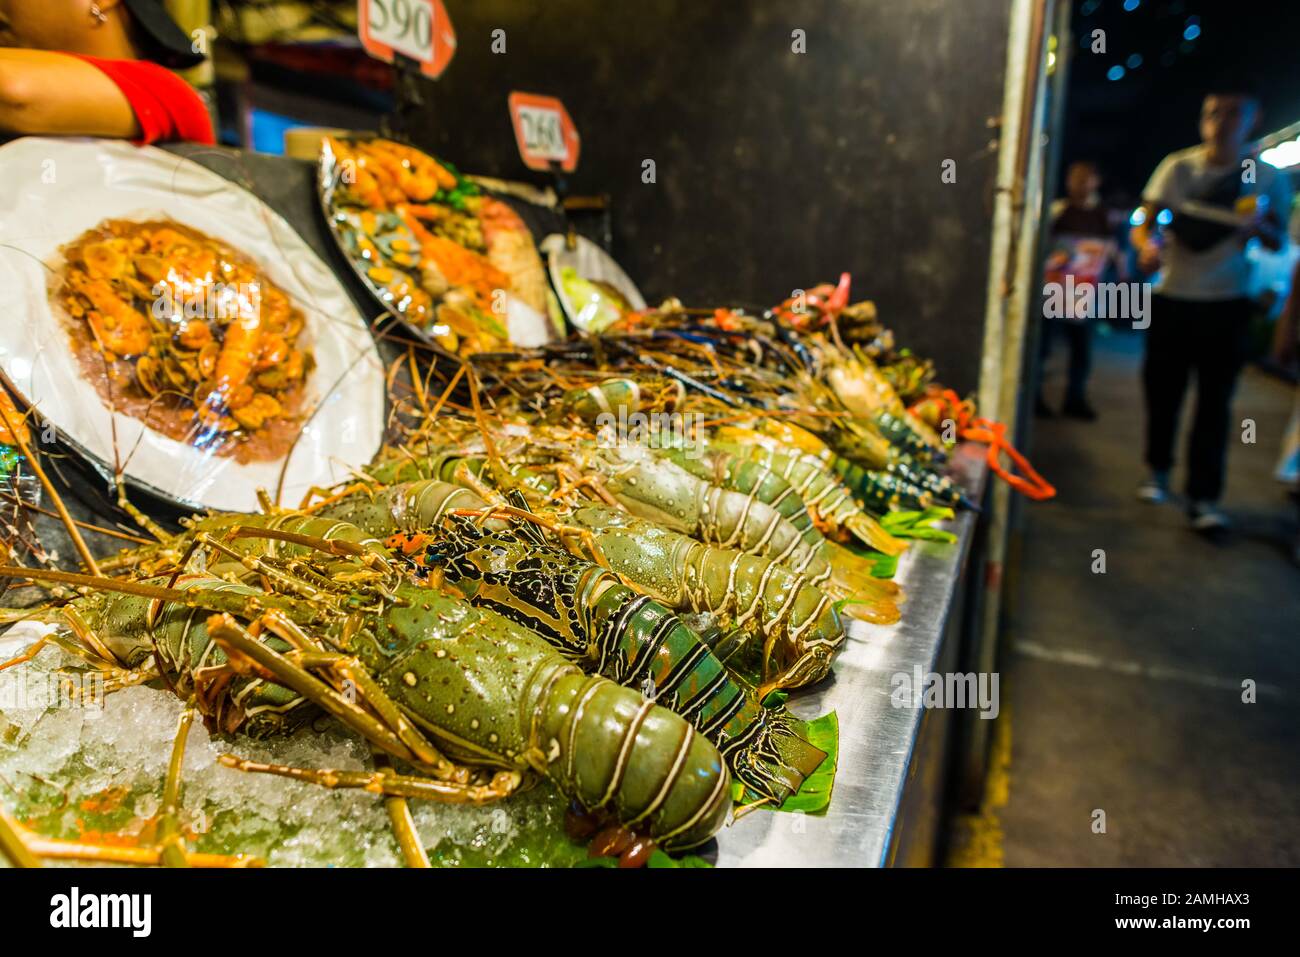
[166, 107]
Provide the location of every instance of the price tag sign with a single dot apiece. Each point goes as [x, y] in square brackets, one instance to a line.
[418, 29]
[544, 131]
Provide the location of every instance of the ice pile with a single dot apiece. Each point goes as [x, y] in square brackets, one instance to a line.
[71, 769]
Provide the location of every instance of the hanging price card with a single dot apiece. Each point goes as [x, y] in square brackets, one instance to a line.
[418, 29]
[544, 131]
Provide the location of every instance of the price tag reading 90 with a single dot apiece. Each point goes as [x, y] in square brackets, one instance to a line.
[405, 26]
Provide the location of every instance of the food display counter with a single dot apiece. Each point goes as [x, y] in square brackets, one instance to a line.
[892, 758]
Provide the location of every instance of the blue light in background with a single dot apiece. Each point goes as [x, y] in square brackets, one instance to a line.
[1138, 217]
[1192, 32]
[1135, 61]
[268, 130]
[1165, 217]
[1115, 73]
[1131, 5]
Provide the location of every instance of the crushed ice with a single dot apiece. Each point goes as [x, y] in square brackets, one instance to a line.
[57, 758]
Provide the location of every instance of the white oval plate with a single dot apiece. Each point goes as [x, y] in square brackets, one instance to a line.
[590, 262]
[55, 190]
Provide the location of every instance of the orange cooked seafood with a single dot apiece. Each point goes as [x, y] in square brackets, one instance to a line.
[185, 333]
[432, 245]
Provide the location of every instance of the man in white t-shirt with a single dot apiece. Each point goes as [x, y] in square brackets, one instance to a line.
[1220, 197]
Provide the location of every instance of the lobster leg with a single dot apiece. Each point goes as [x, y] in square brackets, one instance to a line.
[350, 671]
[253, 563]
[387, 783]
[13, 845]
[351, 675]
[171, 838]
[399, 815]
[87, 647]
[571, 480]
[28, 848]
[329, 497]
[140, 518]
[558, 529]
[34, 649]
[229, 634]
[390, 731]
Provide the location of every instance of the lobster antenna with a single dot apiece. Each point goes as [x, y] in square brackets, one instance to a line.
[16, 432]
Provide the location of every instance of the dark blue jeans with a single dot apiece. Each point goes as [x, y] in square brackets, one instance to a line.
[1209, 339]
[1078, 338]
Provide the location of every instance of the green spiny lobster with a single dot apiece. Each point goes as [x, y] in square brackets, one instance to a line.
[784, 629]
[470, 700]
[791, 621]
[604, 626]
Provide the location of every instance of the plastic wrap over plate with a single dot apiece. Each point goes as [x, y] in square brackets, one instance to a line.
[56, 191]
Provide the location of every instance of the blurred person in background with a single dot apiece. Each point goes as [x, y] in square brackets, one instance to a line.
[1083, 248]
[1220, 199]
[97, 68]
[1286, 350]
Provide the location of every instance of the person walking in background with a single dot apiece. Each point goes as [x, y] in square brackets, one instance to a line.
[1220, 199]
[1286, 350]
[1083, 248]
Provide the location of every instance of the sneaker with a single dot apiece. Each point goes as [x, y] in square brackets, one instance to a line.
[1079, 410]
[1154, 489]
[1206, 518]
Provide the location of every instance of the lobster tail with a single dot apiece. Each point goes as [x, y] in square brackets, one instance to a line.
[872, 534]
[780, 760]
[610, 747]
[643, 644]
[411, 506]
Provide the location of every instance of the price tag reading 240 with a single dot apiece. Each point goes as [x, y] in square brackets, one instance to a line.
[417, 29]
[544, 131]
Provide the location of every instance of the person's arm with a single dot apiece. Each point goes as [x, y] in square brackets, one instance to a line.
[1271, 227]
[1266, 228]
[53, 93]
[1142, 237]
[1154, 197]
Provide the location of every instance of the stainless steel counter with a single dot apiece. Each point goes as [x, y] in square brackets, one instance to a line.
[879, 753]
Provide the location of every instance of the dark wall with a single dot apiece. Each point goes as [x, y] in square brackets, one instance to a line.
[775, 170]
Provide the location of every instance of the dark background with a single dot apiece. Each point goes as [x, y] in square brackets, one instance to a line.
[775, 170]
[1128, 125]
